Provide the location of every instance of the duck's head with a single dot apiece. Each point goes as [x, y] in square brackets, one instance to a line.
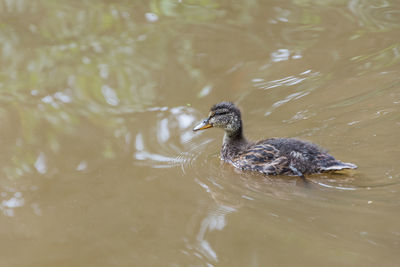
[223, 115]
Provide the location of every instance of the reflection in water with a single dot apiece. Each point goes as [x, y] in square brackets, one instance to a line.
[153, 159]
[162, 152]
[283, 54]
[336, 187]
[215, 220]
[8, 206]
[110, 95]
[81, 166]
[375, 16]
[151, 17]
[286, 81]
[40, 163]
[303, 83]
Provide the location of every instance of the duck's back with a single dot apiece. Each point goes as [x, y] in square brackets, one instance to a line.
[288, 156]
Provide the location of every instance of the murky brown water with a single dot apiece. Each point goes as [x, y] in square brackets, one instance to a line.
[99, 165]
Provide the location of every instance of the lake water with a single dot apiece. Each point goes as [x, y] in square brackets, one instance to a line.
[99, 164]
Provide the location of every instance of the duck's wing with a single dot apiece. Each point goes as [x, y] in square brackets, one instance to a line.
[262, 153]
[278, 166]
[263, 158]
[305, 157]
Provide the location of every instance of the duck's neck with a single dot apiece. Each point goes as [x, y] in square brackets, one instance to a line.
[233, 143]
[232, 137]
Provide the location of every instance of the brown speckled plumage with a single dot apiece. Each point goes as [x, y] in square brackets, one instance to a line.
[287, 156]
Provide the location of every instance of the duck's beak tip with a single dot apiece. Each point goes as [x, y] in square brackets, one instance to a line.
[202, 126]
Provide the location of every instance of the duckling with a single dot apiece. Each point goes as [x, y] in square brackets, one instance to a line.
[274, 156]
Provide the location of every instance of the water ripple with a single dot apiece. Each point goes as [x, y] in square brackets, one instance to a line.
[170, 141]
[380, 15]
[286, 81]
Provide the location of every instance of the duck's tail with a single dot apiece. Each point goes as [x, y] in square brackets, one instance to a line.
[338, 165]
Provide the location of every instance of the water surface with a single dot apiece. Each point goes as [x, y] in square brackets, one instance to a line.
[100, 167]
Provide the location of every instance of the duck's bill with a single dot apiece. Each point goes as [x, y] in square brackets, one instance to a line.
[203, 125]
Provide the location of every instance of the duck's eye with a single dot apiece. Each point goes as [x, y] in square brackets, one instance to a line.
[221, 113]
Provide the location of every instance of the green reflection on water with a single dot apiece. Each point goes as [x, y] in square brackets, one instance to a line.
[72, 69]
